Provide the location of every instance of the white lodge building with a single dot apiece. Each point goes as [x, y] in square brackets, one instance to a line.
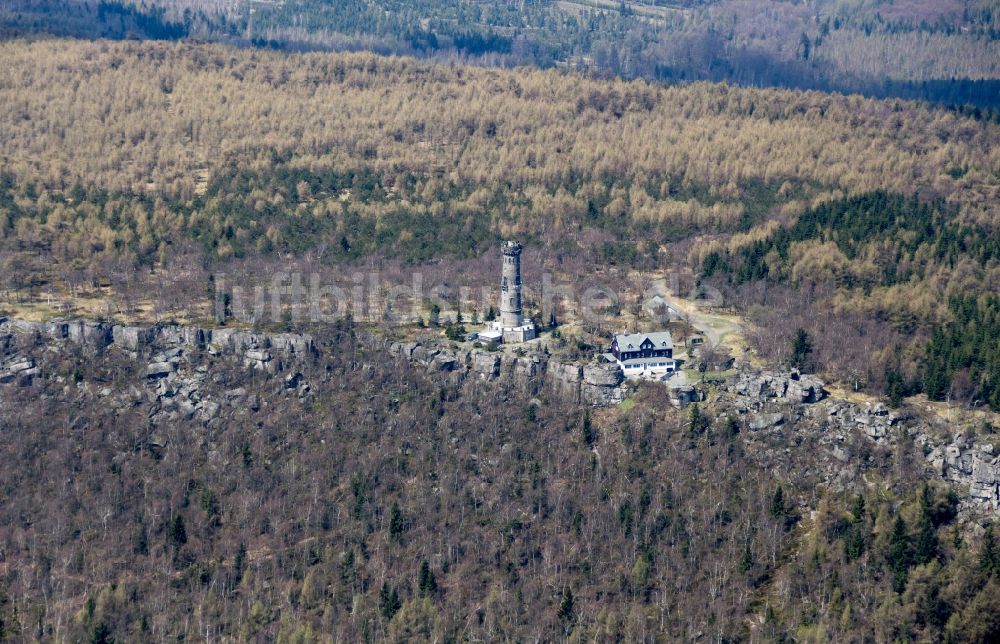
[644, 355]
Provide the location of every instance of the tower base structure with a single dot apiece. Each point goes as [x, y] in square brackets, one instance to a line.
[515, 334]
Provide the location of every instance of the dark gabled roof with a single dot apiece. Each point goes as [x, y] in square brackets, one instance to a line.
[631, 341]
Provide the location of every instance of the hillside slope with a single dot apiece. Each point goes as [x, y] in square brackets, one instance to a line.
[346, 495]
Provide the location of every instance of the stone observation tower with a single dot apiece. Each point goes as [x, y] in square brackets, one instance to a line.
[511, 325]
[510, 286]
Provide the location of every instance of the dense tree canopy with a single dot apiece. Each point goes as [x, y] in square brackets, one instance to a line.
[389, 504]
[944, 52]
[126, 156]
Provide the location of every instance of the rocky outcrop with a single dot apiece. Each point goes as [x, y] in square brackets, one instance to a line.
[132, 338]
[971, 467]
[286, 343]
[591, 384]
[596, 385]
[975, 466]
[601, 386]
[159, 369]
[100, 335]
[792, 387]
[602, 375]
[174, 386]
[528, 369]
[758, 422]
[772, 401]
[94, 335]
[18, 370]
[565, 379]
[486, 365]
[684, 395]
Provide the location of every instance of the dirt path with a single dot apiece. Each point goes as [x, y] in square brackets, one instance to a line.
[717, 328]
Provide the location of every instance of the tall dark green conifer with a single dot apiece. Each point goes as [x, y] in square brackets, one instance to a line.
[900, 555]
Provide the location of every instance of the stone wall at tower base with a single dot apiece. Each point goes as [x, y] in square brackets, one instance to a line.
[518, 334]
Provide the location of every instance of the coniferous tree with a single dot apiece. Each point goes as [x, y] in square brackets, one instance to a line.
[426, 581]
[389, 600]
[397, 524]
[900, 555]
[801, 350]
[239, 563]
[778, 503]
[587, 429]
[895, 387]
[989, 555]
[746, 559]
[925, 549]
[694, 420]
[178, 533]
[567, 608]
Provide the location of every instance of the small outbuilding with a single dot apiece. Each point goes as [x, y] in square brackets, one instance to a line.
[490, 336]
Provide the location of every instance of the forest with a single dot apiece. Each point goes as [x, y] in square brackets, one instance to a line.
[125, 163]
[943, 52]
[114, 20]
[374, 510]
[874, 244]
[375, 500]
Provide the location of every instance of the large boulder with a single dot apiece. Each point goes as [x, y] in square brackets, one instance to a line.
[792, 386]
[258, 355]
[422, 354]
[235, 394]
[207, 411]
[485, 364]
[160, 369]
[600, 385]
[758, 422]
[444, 361]
[527, 368]
[684, 396]
[603, 375]
[601, 396]
[985, 483]
[565, 379]
[132, 338]
[291, 343]
[22, 365]
[95, 335]
[804, 389]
